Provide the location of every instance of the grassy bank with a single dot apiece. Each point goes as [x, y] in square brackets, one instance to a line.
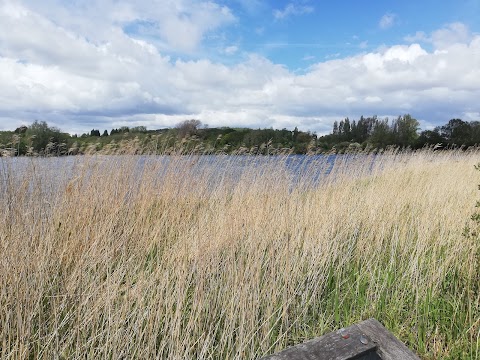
[180, 261]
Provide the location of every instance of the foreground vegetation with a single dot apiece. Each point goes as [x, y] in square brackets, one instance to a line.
[183, 258]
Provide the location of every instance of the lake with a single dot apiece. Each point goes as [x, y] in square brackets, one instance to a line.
[300, 170]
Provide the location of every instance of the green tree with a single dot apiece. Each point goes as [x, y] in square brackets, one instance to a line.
[475, 132]
[457, 132]
[430, 137]
[347, 130]
[406, 130]
[41, 135]
[335, 128]
[381, 136]
[295, 134]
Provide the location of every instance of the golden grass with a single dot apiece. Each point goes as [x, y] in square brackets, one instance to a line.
[130, 257]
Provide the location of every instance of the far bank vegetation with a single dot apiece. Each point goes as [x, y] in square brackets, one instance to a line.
[367, 134]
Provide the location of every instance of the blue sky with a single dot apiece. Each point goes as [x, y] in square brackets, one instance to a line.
[304, 32]
[101, 64]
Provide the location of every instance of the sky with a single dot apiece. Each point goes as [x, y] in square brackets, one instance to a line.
[102, 64]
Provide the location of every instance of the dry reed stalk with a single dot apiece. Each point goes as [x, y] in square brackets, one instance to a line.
[186, 257]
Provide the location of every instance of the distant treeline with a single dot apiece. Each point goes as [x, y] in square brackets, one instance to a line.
[190, 136]
[401, 132]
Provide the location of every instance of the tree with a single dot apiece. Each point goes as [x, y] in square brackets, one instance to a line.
[360, 131]
[406, 130]
[347, 130]
[335, 128]
[105, 133]
[381, 136]
[40, 135]
[340, 128]
[138, 129]
[353, 131]
[364, 128]
[457, 132]
[475, 132]
[295, 134]
[21, 130]
[430, 137]
[188, 127]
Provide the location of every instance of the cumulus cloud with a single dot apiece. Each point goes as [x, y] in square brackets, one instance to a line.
[55, 72]
[419, 36]
[387, 21]
[292, 9]
[450, 34]
[175, 25]
[185, 29]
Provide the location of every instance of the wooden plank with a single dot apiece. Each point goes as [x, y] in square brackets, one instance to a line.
[368, 340]
[343, 344]
[389, 347]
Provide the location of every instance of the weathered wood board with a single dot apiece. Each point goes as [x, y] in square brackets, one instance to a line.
[368, 340]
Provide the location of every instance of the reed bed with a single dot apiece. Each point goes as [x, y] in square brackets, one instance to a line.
[188, 257]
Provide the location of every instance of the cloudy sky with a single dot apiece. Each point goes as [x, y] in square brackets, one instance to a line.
[83, 64]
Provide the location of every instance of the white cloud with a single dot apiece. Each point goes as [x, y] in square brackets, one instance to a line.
[230, 50]
[471, 115]
[292, 9]
[176, 25]
[404, 54]
[419, 36]
[373, 99]
[185, 29]
[387, 21]
[112, 79]
[450, 34]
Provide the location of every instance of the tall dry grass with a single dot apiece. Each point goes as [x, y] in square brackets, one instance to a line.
[184, 258]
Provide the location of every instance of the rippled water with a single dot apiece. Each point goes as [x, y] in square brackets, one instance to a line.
[300, 170]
